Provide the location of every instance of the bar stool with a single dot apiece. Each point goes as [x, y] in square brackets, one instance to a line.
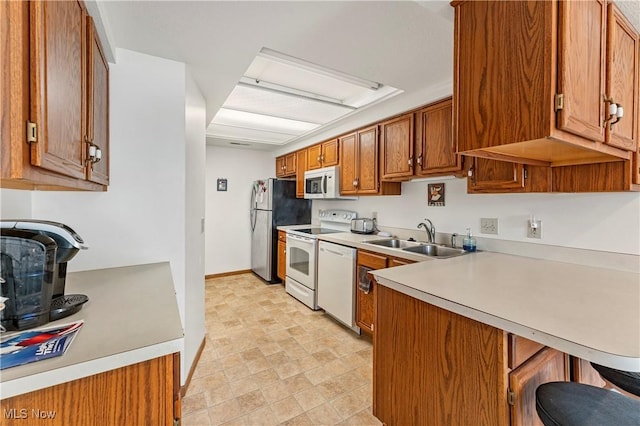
[625, 380]
[575, 404]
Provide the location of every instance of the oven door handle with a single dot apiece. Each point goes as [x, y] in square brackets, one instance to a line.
[300, 238]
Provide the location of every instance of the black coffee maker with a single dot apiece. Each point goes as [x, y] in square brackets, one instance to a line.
[33, 271]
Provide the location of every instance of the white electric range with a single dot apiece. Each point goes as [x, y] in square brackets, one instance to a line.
[302, 254]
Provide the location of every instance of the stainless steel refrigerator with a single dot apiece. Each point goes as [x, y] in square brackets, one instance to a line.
[273, 203]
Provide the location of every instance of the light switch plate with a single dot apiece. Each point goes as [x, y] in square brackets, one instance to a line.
[489, 225]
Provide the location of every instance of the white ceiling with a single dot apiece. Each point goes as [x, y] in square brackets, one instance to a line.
[404, 44]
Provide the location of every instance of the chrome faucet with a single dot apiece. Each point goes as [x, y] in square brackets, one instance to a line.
[431, 230]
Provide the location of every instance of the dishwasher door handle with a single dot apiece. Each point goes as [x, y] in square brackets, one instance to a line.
[337, 253]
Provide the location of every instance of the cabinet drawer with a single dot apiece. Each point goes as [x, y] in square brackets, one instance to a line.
[282, 236]
[520, 350]
[372, 260]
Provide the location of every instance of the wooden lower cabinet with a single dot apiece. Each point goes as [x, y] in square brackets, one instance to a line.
[583, 372]
[147, 393]
[548, 365]
[434, 367]
[282, 255]
[365, 292]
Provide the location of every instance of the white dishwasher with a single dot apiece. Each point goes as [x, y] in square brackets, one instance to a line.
[337, 282]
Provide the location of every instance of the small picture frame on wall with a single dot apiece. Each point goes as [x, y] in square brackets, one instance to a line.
[435, 194]
[222, 184]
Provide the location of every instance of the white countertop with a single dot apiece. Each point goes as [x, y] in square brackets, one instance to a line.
[131, 316]
[592, 313]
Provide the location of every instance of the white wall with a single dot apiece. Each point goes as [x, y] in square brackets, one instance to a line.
[15, 204]
[597, 221]
[228, 236]
[195, 119]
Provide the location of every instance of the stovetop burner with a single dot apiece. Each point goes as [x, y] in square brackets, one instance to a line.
[317, 231]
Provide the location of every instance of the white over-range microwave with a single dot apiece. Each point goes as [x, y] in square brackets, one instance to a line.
[322, 183]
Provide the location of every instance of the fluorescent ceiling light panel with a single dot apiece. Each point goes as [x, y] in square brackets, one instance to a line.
[249, 120]
[281, 98]
[248, 135]
[249, 99]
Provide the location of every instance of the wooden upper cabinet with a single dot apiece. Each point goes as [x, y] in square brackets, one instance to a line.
[301, 167]
[530, 82]
[58, 82]
[348, 163]
[397, 147]
[623, 68]
[98, 107]
[581, 74]
[324, 154]
[419, 144]
[359, 165]
[494, 176]
[286, 165]
[436, 150]
[367, 160]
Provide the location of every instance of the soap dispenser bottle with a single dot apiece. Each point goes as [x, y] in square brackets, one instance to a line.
[469, 243]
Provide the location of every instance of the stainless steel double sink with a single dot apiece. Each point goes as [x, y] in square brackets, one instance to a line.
[427, 249]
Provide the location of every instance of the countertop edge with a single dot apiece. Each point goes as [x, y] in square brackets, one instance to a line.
[69, 373]
[572, 348]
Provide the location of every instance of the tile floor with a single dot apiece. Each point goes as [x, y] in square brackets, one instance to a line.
[269, 360]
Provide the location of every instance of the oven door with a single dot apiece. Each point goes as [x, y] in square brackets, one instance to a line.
[301, 260]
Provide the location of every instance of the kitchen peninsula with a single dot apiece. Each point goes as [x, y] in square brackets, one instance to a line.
[459, 324]
[128, 346]
[466, 340]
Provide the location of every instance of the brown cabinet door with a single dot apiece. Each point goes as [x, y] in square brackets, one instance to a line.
[314, 154]
[500, 98]
[583, 372]
[622, 82]
[365, 295]
[330, 153]
[58, 81]
[435, 147]
[493, 176]
[300, 169]
[348, 166]
[290, 164]
[282, 259]
[546, 366]
[280, 166]
[367, 161]
[396, 146]
[581, 71]
[98, 107]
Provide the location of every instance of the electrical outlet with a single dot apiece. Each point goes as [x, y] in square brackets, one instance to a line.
[489, 225]
[534, 229]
